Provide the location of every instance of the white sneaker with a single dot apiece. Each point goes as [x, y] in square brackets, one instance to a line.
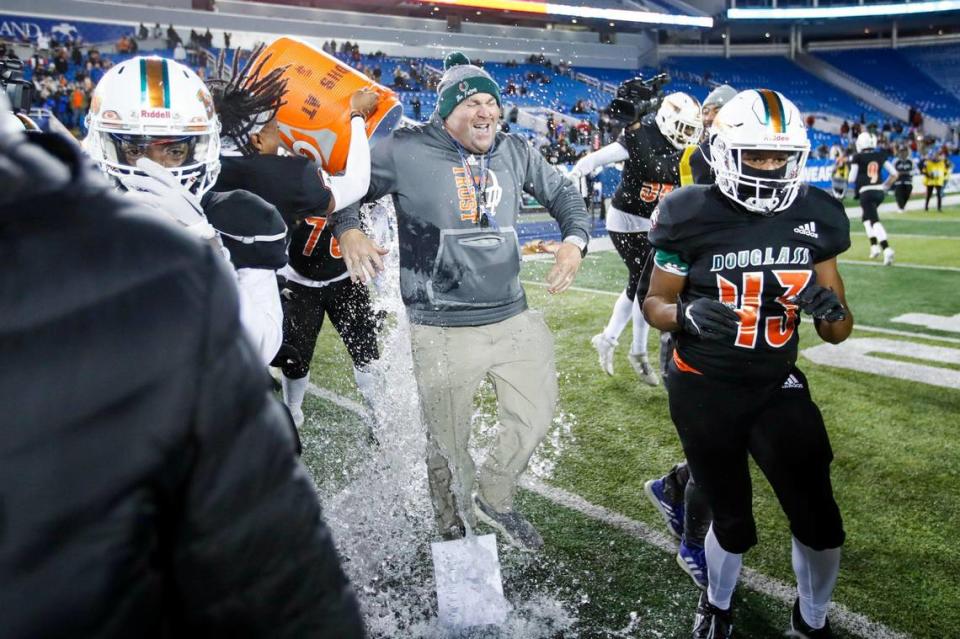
[605, 347]
[641, 364]
[297, 415]
[874, 251]
[887, 256]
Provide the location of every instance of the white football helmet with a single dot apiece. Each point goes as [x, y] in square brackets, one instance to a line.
[759, 120]
[157, 108]
[866, 141]
[680, 120]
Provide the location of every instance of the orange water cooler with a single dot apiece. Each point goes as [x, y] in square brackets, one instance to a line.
[315, 121]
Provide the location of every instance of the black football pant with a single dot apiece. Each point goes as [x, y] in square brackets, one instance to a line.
[870, 201]
[304, 308]
[679, 487]
[720, 423]
[930, 190]
[902, 193]
[633, 248]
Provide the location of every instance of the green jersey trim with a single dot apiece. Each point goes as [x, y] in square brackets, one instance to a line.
[671, 262]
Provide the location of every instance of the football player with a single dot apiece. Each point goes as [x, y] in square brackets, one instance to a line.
[650, 150]
[317, 282]
[905, 168]
[736, 263]
[695, 162]
[935, 173]
[866, 168]
[153, 129]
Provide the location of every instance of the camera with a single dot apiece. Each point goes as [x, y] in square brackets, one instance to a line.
[19, 91]
[636, 98]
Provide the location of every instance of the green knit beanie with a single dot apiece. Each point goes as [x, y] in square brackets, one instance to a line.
[461, 80]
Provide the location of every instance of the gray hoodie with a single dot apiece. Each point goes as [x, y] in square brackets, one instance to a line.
[452, 271]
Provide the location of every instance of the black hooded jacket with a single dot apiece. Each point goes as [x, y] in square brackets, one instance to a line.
[148, 482]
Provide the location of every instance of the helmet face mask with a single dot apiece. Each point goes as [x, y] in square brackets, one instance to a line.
[158, 109]
[759, 123]
[680, 120]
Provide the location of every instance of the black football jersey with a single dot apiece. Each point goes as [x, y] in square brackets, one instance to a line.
[870, 171]
[250, 228]
[651, 171]
[295, 186]
[291, 183]
[755, 264]
[904, 169]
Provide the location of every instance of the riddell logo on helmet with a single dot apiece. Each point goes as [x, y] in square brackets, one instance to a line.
[776, 138]
[155, 113]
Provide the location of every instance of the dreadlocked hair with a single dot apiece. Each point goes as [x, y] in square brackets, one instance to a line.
[243, 99]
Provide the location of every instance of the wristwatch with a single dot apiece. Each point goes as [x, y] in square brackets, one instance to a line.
[579, 242]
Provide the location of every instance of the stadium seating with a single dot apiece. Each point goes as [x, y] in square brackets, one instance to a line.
[808, 92]
[893, 74]
[939, 63]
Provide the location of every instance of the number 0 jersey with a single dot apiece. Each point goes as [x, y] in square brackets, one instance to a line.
[651, 171]
[754, 263]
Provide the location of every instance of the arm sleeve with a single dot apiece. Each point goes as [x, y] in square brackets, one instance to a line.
[890, 168]
[610, 154]
[852, 178]
[557, 194]
[250, 552]
[382, 181]
[261, 314]
[353, 184]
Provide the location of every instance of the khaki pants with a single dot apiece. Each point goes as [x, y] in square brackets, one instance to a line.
[449, 364]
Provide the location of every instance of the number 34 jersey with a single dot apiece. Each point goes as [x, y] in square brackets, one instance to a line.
[753, 263]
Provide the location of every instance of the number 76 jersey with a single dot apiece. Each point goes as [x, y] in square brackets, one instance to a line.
[753, 263]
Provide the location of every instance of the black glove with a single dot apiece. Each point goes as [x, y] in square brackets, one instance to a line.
[821, 302]
[707, 319]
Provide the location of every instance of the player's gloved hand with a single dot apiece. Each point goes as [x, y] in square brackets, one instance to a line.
[162, 191]
[820, 302]
[707, 319]
[574, 175]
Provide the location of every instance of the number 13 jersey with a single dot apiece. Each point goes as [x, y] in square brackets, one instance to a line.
[753, 263]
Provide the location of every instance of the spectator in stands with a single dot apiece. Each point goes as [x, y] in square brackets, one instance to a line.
[845, 129]
[173, 38]
[123, 45]
[416, 106]
[142, 32]
[179, 53]
[207, 40]
[157, 32]
[226, 39]
[61, 63]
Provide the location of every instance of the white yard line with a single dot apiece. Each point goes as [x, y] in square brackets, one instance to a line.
[841, 617]
[918, 236]
[861, 327]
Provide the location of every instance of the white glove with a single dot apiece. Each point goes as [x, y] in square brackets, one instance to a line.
[161, 191]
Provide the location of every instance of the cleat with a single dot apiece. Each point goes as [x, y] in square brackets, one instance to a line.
[803, 631]
[641, 365]
[693, 560]
[887, 256]
[711, 622]
[604, 346]
[672, 513]
[874, 251]
[516, 530]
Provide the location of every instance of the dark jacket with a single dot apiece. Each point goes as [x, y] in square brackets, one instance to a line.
[148, 483]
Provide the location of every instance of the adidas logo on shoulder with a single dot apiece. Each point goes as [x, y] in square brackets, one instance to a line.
[792, 382]
[809, 229]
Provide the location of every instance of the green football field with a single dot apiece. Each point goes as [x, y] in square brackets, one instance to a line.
[895, 473]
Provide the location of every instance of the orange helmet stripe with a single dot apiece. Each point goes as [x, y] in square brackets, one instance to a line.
[774, 110]
[154, 83]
